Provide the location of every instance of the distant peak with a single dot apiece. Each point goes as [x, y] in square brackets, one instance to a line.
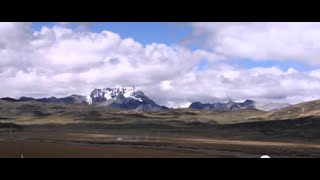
[230, 105]
[104, 94]
[122, 97]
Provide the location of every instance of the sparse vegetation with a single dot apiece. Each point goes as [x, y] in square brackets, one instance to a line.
[57, 122]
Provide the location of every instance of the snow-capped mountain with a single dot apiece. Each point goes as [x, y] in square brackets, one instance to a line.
[247, 104]
[101, 95]
[123, 98]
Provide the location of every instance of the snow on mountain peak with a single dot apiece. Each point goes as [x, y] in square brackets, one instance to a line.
[89, 99]
[113, 93]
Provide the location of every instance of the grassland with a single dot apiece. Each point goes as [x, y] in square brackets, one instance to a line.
[44, 113]
[40, 129]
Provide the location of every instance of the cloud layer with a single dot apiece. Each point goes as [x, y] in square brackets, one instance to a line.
[298, 41]
[61, 61]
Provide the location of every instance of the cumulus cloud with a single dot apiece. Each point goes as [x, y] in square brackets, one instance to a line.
[298, 41]
[223, 83]
[61, 61]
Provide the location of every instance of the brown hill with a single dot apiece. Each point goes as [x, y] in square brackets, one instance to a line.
[301, 110]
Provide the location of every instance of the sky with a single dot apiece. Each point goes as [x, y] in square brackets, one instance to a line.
[172, 63]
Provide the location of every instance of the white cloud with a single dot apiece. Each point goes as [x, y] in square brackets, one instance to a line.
[60, 61]
[298, 41]
[165, 85]
[260, 84]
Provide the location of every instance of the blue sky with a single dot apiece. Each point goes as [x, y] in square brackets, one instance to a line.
[284, 65]
[143, 32]
[171, 33]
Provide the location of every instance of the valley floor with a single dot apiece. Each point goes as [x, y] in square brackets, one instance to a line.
[39, 142]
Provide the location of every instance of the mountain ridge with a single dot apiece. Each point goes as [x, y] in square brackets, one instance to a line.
[231, 105]
[132, 98]
[120, 98]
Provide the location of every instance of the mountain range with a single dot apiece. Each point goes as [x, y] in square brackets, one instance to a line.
[121, 98]
[230, 106]
[133, 99]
